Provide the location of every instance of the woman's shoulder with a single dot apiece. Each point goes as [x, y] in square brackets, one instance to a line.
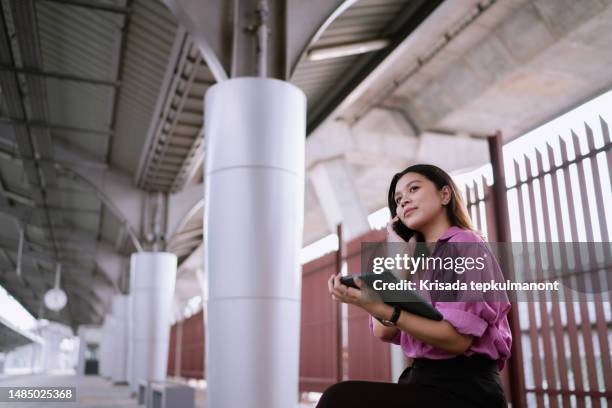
[465, 235]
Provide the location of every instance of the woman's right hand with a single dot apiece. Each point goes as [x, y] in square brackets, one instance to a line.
[392, 236]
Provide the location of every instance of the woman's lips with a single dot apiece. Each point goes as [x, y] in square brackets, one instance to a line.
[407, 211]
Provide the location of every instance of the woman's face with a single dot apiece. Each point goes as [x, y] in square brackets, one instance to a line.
[418, 200]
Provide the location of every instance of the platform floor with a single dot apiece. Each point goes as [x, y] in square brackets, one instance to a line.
[92, 392]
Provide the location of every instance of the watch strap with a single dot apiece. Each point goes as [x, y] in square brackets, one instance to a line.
[396, 314]
[393, 319]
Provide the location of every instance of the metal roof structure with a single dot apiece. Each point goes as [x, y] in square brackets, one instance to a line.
[79, 78]
[327, 82]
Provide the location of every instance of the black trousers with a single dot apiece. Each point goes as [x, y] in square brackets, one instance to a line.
[457, 382]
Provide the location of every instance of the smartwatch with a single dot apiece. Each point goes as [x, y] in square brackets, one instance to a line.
[394, 317]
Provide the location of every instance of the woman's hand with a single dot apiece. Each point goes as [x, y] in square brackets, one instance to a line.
[392, 236]
[345, 294]
[393, 250]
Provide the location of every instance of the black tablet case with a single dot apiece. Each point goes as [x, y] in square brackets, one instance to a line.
[413, 304]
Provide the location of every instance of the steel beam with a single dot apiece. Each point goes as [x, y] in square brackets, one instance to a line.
[92, 5]
[59, 75]
[242, 38]
[53, 126]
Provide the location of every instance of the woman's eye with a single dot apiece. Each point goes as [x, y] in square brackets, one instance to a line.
[413, 189]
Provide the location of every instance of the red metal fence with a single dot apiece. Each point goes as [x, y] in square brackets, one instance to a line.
[172, 351]
[186, 351]
[319, 353]
[565, 344]
[368, 358]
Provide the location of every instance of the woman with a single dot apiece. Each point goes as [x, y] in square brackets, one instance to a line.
[456, 361]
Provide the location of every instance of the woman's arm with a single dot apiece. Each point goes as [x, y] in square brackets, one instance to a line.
[440, 334]
[384, 332]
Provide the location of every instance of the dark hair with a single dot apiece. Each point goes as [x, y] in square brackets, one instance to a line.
[455, 209]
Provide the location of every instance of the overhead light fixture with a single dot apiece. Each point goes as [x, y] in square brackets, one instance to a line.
[345, 50]
[55, 298]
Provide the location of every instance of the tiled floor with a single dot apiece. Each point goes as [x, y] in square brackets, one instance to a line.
[92, 392]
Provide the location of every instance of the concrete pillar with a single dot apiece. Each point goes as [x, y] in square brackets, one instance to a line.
[104, 348]
[107, 360]
[129, 366]
[102, 351]
[37, 362]
[80, 368]
[253, 225]
[152, 279]
[339, 198]
[120, 338]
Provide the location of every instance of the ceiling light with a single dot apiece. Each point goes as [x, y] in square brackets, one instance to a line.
[55, 298]
[344, 50]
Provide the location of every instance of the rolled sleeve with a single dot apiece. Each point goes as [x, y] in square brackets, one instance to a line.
[465, 319]
[395, 340]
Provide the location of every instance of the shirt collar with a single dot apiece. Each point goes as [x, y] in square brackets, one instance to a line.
[450, 232]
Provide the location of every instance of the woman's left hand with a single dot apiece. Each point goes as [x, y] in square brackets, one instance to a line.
[345, 294]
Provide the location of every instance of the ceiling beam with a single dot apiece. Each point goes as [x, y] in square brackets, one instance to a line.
[92, 5]
[60, 75]
[42, 254]
[26, 161]
[52, 126]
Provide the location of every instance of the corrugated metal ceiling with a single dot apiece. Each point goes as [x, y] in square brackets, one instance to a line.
[150, 37]
[91, 48]
[327, 82]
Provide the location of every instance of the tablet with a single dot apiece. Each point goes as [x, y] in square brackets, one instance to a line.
[413, 304]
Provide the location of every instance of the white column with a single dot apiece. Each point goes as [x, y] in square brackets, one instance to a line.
[38, 357]
[152, 279]
[129, 367]
[102, 352]
[253, 222]
[120, 337]
[108, 359]
[80, 369]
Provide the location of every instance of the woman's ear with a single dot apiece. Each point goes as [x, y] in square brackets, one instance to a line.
[445, 195]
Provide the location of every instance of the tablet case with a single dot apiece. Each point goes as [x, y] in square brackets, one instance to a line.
[413, 304]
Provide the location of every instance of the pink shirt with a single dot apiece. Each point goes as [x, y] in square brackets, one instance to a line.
[486, 321]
